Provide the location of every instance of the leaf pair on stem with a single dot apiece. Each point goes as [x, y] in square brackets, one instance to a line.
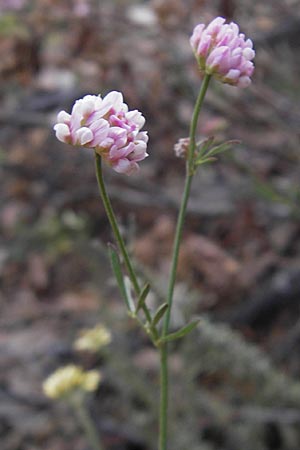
[207, 149]
[134, 308]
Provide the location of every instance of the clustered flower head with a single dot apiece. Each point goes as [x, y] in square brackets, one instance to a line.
[106, 125]
[93, 339]
[70, 379]
[221, 50]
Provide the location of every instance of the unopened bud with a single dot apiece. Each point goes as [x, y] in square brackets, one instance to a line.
[181, 148]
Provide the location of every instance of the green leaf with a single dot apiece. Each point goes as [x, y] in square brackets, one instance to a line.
[117, 269]
[204, 160]
[142, 297]
[180, 333]
[204, 145]
[159, 314]
[222, 147]
[130, 301]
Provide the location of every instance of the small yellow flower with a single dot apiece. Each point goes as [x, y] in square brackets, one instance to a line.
[93, 339]
[66, 380]
[92, 378]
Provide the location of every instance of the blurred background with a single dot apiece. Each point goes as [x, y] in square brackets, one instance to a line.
[235, 381]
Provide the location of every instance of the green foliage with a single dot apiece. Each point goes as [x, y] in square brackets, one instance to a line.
[181, 333]
[142, 298]
[123, 286]
[207, 150]
[10, 25]
[159, 314]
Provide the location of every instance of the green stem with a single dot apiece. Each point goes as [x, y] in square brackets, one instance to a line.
[114, 225]
[164, 392]
[87, 424]
[177, 240]
[194, 122]
[184, 201]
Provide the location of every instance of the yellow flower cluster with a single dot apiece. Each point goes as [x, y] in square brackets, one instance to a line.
[93, 339]
[66, 380]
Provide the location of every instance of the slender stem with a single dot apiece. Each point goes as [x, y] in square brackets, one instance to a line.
[163, 434]
[177, 240]
[114, 225]
[184, 201]
[194, 122]
[164, 390]
[87, 424]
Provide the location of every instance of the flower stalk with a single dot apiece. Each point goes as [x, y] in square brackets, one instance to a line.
[86, 423]
[190, 169]
[114, 225]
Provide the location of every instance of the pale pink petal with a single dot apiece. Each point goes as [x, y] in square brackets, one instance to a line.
[139, 153]
[63, 117]
[196, 36]
[122, 166]
[100, 129]
[106, 143]
[143, 136]
[244, 82]
[126, 167]
[113, 100]
[62, 132]
[136, 117]
[215, 26]
[83, 136]
[248, 53]
[233, 75]
[116, 153]
[216, 56]
[204, 46]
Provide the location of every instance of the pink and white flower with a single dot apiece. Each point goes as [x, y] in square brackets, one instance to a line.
[106, 125]
[222, 51]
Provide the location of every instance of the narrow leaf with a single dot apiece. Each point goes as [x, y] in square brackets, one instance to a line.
[222, 147]
[117, 269]
[142, 297]
[159, 314]
[181, 333]
[205, 160]
[204, 145]
[130, 301]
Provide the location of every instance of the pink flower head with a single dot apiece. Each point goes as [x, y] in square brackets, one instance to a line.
[221, 50]
[108, 127]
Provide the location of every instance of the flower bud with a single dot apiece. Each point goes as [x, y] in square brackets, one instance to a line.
[181, 148]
